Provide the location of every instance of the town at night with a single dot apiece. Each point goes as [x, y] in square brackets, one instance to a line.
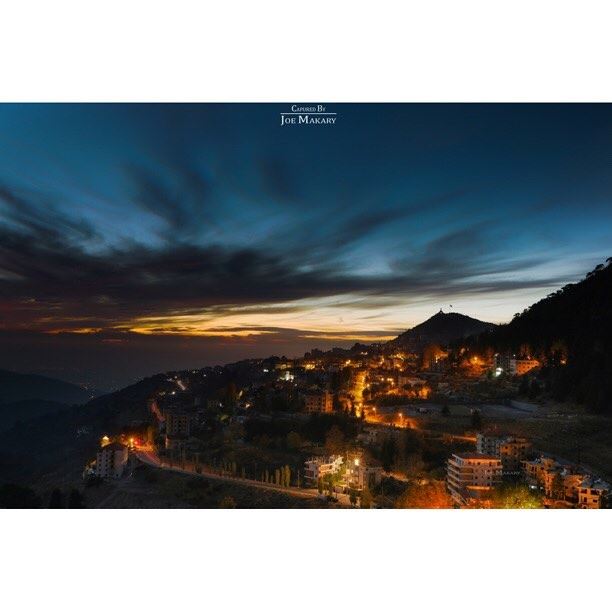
[305, 305]
[230, 306]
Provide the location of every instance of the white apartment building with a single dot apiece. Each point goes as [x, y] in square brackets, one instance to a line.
[472, 476]
[111, 460]
[319, 467]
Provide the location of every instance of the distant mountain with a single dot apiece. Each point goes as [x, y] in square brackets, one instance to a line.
[570, 332]
[24, 410]
[15, 387]
[442, 328]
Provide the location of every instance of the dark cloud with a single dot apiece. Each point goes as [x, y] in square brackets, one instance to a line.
[35, 216]
[50, 278]
[180, 198]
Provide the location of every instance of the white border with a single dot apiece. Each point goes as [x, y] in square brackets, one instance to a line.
[303, 560]
[275, 50]
[304, 52]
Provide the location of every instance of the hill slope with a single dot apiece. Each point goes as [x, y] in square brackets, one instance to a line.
[442, 328]
[15, 387]
[24, 410]
[570, 331]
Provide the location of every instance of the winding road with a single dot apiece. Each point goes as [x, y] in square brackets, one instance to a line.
[148, 457]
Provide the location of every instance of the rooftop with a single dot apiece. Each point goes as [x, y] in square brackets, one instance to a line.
[470, 456]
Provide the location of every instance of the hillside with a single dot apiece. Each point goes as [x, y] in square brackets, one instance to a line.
[23, 410]
[15, 387]
[570, 332]
[442, 328]
[65, 437]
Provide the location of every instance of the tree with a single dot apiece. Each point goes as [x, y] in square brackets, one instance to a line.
[334, 441]
[516, 496]
[231, 395]
[329, 484]
[388, 453]
[75, 500]
[432, 495]
[353, 497]
[294, 440]
[227, 503]
[558, 487]
[366, 498]
[16, 496]
[534, 389]
[57, 499]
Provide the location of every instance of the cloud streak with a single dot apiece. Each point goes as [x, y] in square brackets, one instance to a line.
[50, 276]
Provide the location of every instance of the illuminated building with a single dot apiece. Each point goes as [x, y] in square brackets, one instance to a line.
[593, 493]
[283, 365]
[111, 460]
[509, 449]
[472, 477]
[505, 362]
[319, 467]
[566, 484]
[359, 475]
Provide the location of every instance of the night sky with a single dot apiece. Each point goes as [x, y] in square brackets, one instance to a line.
[143, 238]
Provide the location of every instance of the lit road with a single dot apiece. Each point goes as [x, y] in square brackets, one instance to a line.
[149, 457]
[391, 419]
[358, 387]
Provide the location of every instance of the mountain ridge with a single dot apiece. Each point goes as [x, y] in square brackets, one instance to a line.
[441, 328]
[570, 332]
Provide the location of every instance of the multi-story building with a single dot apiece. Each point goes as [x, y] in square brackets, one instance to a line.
[318, 401]
[179, 423]
[510, 364]
[487, 445]
[564, 483]
[111, 460]
[472, 477]
[511, 450]
[522, 366]
[359, 475]
[593, 493]
[319, 467]
[571, 486]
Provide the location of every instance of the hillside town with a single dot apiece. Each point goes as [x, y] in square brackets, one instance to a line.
[370, 426]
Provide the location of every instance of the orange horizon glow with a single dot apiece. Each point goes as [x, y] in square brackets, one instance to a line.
[344, 318]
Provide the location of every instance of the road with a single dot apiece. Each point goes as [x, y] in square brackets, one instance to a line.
[149, 457]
